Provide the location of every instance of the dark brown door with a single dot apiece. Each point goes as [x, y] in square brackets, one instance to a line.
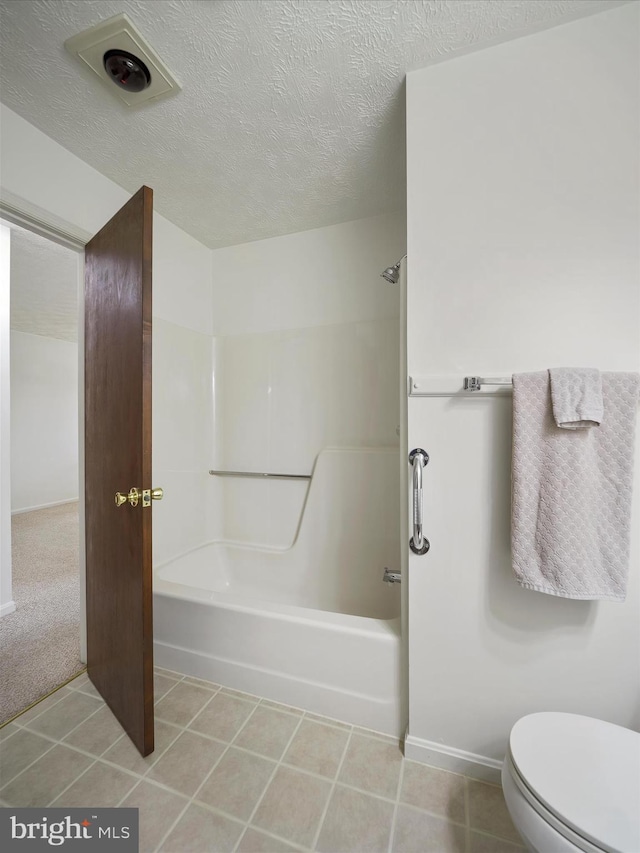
[117, 459]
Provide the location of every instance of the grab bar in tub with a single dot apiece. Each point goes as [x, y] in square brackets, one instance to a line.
[256, 474]
[418, 543]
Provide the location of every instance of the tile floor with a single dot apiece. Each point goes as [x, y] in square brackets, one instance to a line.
[233, 772]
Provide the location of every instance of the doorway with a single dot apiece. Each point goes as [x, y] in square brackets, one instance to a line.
[41, 637]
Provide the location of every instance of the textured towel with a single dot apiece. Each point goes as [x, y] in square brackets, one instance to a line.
[571, 509]
[576, 397]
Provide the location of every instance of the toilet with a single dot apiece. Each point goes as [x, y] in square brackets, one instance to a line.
[572, 783]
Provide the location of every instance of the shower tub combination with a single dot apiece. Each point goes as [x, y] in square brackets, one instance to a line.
[312, 626]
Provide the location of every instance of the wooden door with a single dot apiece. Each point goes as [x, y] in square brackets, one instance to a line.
[117, 458]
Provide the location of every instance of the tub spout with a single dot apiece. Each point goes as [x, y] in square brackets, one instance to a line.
[391, 577]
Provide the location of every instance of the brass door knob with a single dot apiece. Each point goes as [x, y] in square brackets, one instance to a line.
[120, 499]
[149, 495]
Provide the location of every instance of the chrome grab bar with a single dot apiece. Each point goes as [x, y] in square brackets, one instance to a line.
[418, 543]
[256, 474]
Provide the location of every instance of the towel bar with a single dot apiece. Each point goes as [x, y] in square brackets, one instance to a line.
[475, 383]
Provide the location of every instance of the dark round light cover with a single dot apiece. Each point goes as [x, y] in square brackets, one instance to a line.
[126, 70]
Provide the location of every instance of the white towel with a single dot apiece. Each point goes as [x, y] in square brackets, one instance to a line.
[576, 397]
[571, 509]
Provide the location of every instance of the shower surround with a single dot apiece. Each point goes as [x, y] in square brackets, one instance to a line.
[275, 587]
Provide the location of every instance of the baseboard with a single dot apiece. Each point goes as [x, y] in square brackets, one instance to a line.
[7, 608]
[452, 759]
[43, 506]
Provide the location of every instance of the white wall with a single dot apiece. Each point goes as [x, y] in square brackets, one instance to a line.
[44, 421]
[42, 173]
[306, 357]
[7, 605]
[523, 254]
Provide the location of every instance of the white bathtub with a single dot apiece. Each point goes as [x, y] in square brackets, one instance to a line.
[313, 625]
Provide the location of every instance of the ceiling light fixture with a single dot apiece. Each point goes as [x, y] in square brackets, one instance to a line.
[117, 53]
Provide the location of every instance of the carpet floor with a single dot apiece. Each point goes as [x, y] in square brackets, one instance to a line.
[40, 641]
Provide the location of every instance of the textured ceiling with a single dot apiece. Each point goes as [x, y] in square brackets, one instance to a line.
[291, 114]
[44, 287]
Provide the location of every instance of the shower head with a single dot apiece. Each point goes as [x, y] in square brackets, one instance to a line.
[392, 274]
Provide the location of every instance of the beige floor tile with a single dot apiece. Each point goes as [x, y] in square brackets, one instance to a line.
[267, 732]
[125, 754]
[481, 843]
[435, 790]
[18, 751]
[317, 748]
[65, 715]
[488, 811]
[182, 703]
[257, 842]
[100, 787]
[372, 765]
[186, 763]
[97, 733]
[201, 830]
[44, 780]
[419, 832]
[42, 706]
[292, 806]
[355, 821]
[223, 716]
[162, 685]
[158, 809]
[237, 783]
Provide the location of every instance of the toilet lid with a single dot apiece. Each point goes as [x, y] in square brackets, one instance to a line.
[585, 772]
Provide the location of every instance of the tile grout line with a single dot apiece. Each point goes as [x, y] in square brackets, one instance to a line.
[467, 816]
[316, 836]
[396, 805]
[516, 846]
